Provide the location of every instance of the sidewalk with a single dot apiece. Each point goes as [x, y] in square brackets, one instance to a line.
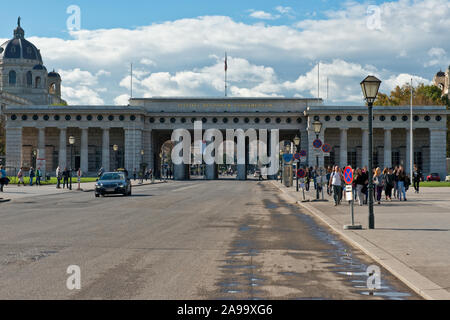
[12, 191]
[411, 238]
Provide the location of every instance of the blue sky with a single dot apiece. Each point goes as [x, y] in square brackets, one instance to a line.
[177, 47]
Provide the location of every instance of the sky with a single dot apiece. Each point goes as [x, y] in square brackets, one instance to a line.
[177, 47]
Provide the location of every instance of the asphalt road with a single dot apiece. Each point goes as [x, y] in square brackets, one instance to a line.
[180, 240]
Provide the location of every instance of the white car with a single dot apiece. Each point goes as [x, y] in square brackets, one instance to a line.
[447, 179]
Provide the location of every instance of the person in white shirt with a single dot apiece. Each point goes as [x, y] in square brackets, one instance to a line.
[336, 183]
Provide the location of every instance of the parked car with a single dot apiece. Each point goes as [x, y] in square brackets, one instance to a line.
[447, 179]
[433, 177]
[113, 183]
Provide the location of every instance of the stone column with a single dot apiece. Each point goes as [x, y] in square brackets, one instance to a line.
[408, 150]
[62, 157]
[13, 150]
[387, 163]
[180, 171]
[343, 161]
[41, 150]
[105, 150]
[147, 145]
[84, 152]
[365, 148]
[211, 169]
[133, 146]
[438, 152]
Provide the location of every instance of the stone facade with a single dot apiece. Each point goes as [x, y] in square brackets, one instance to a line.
[146, 124]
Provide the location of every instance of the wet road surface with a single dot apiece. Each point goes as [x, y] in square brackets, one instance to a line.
[181, 240]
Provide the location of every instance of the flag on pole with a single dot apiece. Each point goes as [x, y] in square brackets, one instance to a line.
[226, 65]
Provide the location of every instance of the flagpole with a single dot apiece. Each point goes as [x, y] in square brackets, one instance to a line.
[411, 145]
[131, 81]
[318, 81]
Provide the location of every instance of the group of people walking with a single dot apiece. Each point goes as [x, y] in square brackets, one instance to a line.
[394, 182]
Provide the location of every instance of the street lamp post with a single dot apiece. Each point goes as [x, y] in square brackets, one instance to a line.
[71, 142]
[370, 86]
[297, 144]
[115, 149]
[281, 165]
[142, 166]
[317, 126]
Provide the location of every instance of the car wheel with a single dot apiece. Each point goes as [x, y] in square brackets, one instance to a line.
[97, 195]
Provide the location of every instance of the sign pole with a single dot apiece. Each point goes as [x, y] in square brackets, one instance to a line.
[348, 178]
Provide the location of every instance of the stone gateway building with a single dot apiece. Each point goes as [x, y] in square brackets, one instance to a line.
[37, 132]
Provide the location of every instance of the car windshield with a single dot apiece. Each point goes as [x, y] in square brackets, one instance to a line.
[112, 176]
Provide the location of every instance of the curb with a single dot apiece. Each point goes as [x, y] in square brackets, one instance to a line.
[414, 280]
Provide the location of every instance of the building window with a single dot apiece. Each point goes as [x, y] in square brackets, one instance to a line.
[405, 118]
[46, 117]
[382, 118]
[121, 118]
[267, 120]
[236, 120]
[349, 118]
[152, 120]
[13, 117]
[78, 117]
[351, 158]
[183, 120]
[193, 120]
[299, 120]
[395, 158]
[214, 120]
[416, 118]
[246, 120]
[394, 118]
[162, 120]
[225, 120]
[338, 118]
[56, 117]
[132, 117]
[360, 118]
[37, 82]
[172, 120]
[99, 117]
[89, 117]
[68, 117]
[29, 79]
[288, 120]
[427, 118]
[438, 118]
[256, 120]
[110, 117]
[327, 118]
[278, 120]
[35, 117]
[316, 118]
[204, 120]
[12, 77]
[24, 117]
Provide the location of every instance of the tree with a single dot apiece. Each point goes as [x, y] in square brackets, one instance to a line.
[423, 95]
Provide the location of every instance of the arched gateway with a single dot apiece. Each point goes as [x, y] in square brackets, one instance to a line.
[127, 136]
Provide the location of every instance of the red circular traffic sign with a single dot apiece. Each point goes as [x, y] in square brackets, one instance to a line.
[317, 143]
[348, 175]
[297, 156]
[301, 173]
[326, 148]
[303, 153]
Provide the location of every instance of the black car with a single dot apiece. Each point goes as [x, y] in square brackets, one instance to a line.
[113, 183]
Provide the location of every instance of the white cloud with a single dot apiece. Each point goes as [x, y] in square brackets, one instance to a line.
[81, 95]
[283, 10]
[180, 52]
[121, 100]
[438, 56]
[263, 15]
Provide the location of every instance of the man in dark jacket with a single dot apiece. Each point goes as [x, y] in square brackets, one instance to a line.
[65, 175]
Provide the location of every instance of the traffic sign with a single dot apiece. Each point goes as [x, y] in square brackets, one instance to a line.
[287, 157]
[303, 153]
[326, 148]
[349, 192]
[297, 156]
[301, 173]
[317, 143]
[348, 175]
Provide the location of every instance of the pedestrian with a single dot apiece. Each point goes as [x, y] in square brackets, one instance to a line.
[308, 179]
[378, 179]
[336, 183]
[388, 183]
[401, 184]
[360, 183]
[38, 176]
[417, 177]
[31, 175]
[58, 177]
[3, 178]
[134, 174]
[20, 177]
[65, 175]
[396, 171]
[328, 177]
[365, 188]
